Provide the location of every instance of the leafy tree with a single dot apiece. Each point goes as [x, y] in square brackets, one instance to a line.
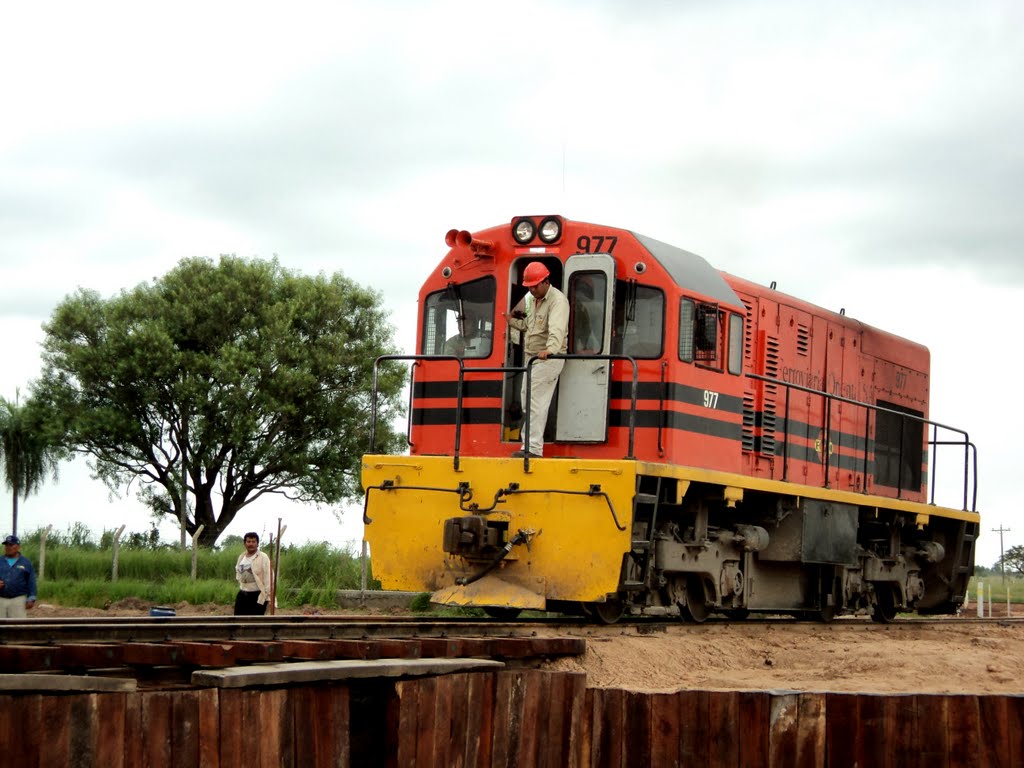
[232, 542]
[1013, 559]
[27, 452]
[257, 378]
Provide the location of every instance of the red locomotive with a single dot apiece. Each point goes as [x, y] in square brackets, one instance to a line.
[713, 446]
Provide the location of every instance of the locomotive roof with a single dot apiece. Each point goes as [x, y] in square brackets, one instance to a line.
[690, 271]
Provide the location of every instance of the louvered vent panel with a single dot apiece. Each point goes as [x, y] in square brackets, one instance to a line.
[771, 357]
[771, 392]
[748, 333]
[748, 421]
[803, 339]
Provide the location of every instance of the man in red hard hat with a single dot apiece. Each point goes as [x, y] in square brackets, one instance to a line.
[546, 330]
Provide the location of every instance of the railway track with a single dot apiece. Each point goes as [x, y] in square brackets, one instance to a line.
[131, 629]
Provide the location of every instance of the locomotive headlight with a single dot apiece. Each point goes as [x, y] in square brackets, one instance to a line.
[523, 231]
[550, 229]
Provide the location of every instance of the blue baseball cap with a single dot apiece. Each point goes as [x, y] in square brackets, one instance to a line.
[12, 540]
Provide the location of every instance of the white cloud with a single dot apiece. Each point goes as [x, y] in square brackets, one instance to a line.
[863, 156]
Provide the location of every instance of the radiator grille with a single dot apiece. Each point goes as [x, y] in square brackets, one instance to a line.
[803, 339]
[748, 333]
[771, 393]
[748, 421]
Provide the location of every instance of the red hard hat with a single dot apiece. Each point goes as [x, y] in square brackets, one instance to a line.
[534, 274]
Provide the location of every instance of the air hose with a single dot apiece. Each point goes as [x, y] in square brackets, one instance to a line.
[519, 538]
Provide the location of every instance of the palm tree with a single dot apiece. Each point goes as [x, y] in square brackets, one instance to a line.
[27, 456]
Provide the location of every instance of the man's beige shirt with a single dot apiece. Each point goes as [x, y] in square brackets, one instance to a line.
[547, 324]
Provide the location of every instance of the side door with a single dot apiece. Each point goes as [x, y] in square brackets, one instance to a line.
[839, 441]
[583, 387]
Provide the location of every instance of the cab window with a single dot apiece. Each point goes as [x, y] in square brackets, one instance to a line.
[587, 292]
[687, 313]
[639, 320]
[735, 344]
[459, 320]
[701, 334]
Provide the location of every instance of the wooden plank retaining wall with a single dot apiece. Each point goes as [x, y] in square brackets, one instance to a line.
[506, 718]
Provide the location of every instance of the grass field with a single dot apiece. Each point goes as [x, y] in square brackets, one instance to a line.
[82, 575]
[996, 588]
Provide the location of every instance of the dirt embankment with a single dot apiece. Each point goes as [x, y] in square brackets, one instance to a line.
[846, 656]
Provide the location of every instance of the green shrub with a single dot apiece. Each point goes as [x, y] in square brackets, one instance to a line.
[420, 603]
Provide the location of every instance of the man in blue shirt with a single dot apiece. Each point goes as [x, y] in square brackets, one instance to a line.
[17, 581]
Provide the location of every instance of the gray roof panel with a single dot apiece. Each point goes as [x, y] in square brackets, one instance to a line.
[690, 271]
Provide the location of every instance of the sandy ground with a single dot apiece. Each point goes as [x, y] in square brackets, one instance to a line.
[848, 655]
[129, 607]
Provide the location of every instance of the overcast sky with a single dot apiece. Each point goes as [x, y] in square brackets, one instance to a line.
[866, 156]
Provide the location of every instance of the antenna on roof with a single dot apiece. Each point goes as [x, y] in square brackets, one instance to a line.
[563, 168]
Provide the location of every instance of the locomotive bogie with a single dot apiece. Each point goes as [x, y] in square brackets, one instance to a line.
[804, 555]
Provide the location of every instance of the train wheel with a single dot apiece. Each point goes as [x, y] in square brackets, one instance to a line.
[829, 600]
[885, 605]
[695, 607]
[607, 612]
[501, 613]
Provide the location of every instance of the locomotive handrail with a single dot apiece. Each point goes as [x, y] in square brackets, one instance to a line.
[373, 394]
[463, 370]
[389, 485]
[412, 389]
[594, 490]
[970, 450]
[458, 403]
[661, 407]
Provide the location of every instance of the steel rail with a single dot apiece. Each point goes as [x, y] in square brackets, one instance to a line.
[232, 628]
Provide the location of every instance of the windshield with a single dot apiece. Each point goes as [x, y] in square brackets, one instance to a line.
[460, 319]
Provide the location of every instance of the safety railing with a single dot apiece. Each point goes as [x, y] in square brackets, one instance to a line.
[970, 468]
[473, 370]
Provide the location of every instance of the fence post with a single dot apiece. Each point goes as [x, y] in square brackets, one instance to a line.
[195, 550]
[362, 576]
[277, 567]
[117, 552]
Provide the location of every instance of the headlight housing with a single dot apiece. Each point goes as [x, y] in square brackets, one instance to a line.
[523, 231]
[550, 229]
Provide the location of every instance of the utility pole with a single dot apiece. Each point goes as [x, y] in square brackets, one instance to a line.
[1002, 563]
